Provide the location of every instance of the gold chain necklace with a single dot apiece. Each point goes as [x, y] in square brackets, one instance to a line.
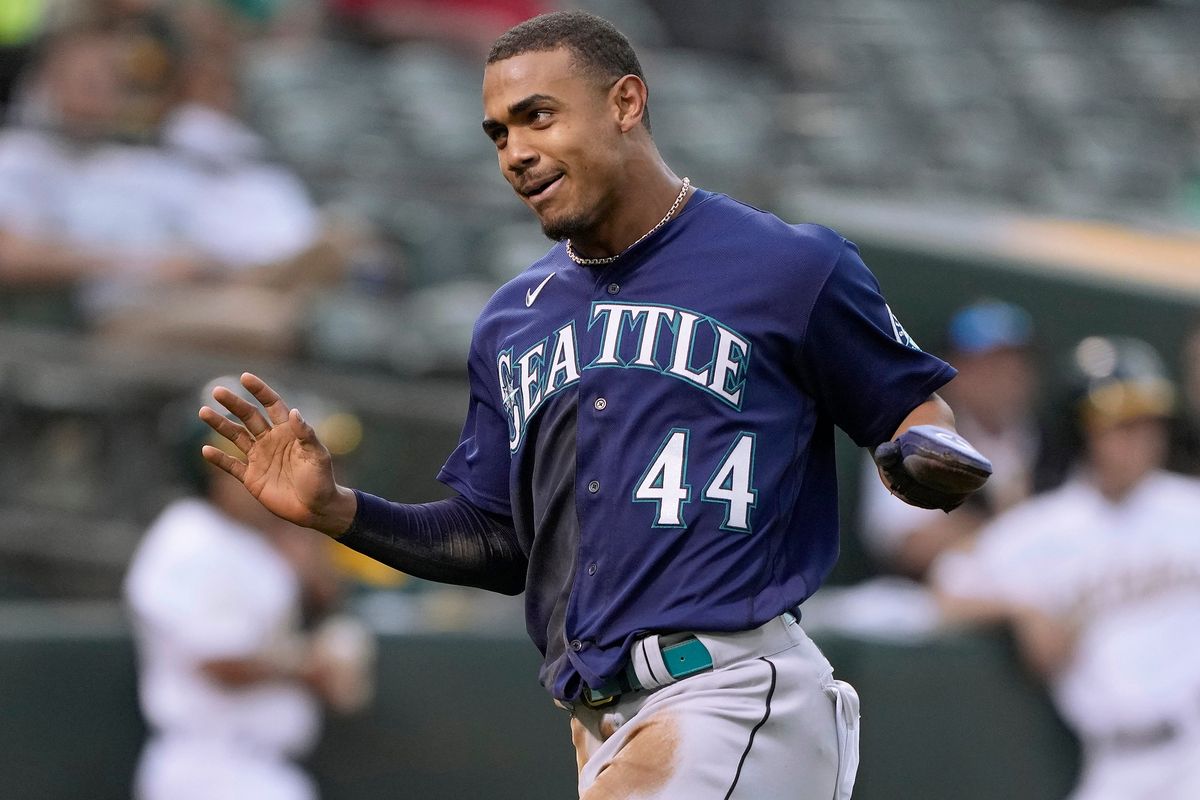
[591, 262]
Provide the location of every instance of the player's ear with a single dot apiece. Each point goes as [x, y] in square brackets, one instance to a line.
[627, 98]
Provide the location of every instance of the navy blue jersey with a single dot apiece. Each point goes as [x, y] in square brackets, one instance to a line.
[661, 429]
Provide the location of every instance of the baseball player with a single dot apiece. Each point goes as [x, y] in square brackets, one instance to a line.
[648, 449]
[1101, 581]
[230, 682]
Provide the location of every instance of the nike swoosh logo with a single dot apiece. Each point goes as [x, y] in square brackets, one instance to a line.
[531, 295]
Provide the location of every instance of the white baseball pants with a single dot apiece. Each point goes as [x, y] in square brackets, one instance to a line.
[769, 722]
[187, 768]
[1170, 771]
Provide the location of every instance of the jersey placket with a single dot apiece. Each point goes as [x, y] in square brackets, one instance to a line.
[596, 489]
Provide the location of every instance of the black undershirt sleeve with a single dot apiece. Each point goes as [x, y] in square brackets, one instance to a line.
[449, 541]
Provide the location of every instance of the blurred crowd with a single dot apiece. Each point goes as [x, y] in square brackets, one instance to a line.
[127, 179]
[131, 184]
[251, 175]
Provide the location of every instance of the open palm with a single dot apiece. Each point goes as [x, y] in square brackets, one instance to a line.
[287, 468]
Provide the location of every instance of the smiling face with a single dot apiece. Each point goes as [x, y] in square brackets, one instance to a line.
[559, 137]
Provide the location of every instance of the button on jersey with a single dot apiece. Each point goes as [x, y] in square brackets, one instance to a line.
[661, 430]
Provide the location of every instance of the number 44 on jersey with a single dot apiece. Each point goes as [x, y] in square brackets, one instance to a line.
[665, 482]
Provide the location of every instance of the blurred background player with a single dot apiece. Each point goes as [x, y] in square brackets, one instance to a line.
[993, 399]
[1100, 580]
[237, 643]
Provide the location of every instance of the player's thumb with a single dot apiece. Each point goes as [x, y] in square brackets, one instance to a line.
[302, 430]
[887, 455]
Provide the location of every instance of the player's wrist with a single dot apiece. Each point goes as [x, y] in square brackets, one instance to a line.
[338, 515]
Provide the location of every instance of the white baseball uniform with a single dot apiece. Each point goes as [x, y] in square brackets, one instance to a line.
[203, 587]
[1127, 574]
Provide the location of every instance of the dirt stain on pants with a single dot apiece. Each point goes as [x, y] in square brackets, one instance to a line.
[643, 765]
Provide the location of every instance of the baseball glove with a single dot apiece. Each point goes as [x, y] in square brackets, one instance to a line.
[931, 467]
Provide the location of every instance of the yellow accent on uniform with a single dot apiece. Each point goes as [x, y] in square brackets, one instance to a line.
[1123, 401]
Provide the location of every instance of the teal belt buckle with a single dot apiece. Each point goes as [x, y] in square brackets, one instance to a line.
[598, 698]
[603, 695]
[609, 691]
[687, 658]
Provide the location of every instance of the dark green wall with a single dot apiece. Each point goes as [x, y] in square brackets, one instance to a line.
[461, 716]
[924, 289]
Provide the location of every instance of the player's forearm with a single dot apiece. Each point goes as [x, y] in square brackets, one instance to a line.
[934, 411]
[450, 541]
[238, 673]
[36, 263]
[296, 664]
[922, 545]
[927, 464]
[958, 610]
[1046, 643]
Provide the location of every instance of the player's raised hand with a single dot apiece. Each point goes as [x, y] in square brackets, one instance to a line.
[287, 468]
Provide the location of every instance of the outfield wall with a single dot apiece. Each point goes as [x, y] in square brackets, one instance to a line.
[462, 716]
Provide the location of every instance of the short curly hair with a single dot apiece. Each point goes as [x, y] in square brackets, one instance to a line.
[597, 46]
